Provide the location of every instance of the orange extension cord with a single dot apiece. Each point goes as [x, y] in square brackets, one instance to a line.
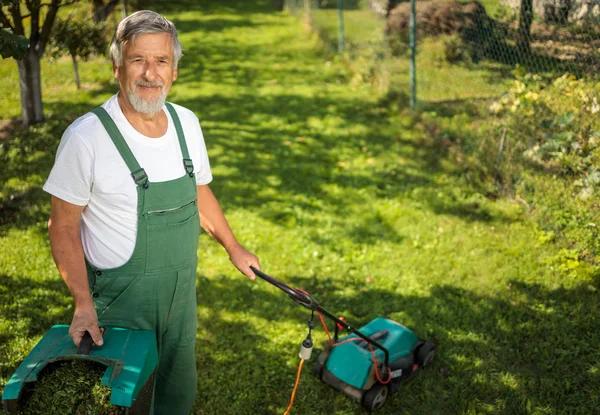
[287, 411]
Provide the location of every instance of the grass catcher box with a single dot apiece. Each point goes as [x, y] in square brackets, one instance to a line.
[129, 358]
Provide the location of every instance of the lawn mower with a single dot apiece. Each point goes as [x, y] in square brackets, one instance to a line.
[130, 357]
[367, 364]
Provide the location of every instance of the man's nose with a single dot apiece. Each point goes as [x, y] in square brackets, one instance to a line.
[150, 71]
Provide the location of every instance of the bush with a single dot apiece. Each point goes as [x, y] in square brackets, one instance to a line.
[558, 123]
[551, 127]
[454, 49]
[540, 144]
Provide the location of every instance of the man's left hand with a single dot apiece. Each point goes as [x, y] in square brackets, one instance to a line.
[243, 260]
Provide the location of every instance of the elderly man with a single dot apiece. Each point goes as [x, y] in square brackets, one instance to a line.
[129, 191]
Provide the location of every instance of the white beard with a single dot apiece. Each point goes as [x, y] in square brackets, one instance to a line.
[146, 107]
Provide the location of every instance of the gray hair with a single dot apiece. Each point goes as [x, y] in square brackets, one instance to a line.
[141, 23]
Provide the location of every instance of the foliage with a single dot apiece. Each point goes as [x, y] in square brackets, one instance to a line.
[454, 49]
[549, 125]
[558, 121]
[11, 45]
[78, 37]
[37, 25]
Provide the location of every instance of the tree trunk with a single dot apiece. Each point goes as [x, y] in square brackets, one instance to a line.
[525, 20]
[564, 8]
[31, 88]
[101, 11]
[390, 6]
[76, 69]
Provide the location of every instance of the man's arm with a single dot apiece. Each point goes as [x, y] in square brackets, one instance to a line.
[214, 223]
[65, 242]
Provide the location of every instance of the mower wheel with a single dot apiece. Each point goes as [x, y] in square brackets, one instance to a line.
[375, 397]
[318, 370]
[425, 354]
[320, 364]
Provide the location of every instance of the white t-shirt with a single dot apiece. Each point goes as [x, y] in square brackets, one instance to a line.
[89, 171]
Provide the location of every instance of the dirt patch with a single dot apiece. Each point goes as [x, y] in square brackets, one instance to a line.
[7, 127]
[435, 19]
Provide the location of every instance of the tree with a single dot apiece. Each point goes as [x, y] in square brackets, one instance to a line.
[101, 11]
[390, 6]
[523, 33]
[78, 38]
[12, 22]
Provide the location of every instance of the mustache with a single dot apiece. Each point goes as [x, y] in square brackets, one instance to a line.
[148, 83]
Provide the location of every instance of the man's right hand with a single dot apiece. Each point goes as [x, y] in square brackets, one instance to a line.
[85, 319]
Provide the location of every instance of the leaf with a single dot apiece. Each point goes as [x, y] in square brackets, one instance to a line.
[11, 45]
[566, 119]
[547, 123]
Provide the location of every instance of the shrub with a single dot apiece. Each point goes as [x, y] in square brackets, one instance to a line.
[539, 144]
[558, 122]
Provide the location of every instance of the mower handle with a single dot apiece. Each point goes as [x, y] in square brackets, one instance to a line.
[304, 299]
[300, 297]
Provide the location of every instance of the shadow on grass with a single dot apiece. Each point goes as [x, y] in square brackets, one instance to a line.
[28, 309]
[532, 348]
[22, 296]
[27, 156]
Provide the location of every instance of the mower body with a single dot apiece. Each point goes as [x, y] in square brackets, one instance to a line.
[352, 362]
[130, 356]
[349, 367]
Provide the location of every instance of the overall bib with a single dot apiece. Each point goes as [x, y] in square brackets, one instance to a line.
[156, 289]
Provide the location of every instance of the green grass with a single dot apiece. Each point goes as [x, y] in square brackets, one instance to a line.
[337, 196]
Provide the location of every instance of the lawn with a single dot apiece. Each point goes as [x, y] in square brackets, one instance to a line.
[338, 196]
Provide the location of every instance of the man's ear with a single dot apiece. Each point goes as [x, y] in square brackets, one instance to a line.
[115, 70]
[175, 75]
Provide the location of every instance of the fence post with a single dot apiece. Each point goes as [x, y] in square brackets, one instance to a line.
[340, 26]
[413, 53]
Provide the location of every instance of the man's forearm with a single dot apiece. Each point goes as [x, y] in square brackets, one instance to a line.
[213, 220]
[65, 242]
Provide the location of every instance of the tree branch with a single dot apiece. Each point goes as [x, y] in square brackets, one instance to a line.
[48, 22]
[17, 19]
[5, 22]
[34, 10]
[63, 4]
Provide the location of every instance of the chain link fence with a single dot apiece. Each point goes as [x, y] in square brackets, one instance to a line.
[497, 37]
[509, 89]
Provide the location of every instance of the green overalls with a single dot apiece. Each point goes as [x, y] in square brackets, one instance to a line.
[156, 289]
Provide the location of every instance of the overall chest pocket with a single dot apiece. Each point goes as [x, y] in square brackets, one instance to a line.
[172, 237]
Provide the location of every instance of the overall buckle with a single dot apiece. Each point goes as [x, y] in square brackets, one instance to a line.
[140, 178]
[189, 167]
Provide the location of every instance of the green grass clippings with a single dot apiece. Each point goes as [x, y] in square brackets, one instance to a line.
[70, 387]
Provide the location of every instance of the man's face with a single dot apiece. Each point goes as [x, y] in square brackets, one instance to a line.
[147, 71]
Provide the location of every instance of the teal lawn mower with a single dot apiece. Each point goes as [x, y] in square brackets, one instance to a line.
[368, 364]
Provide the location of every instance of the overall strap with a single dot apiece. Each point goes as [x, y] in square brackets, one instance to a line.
[139, 174]
[187, 161]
